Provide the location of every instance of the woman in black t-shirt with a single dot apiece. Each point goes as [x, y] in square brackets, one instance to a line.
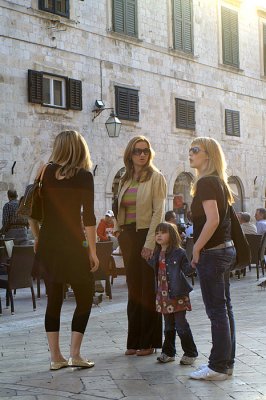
[213, 252]
[60, 243]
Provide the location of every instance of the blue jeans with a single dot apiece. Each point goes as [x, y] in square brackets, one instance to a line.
[214, 274]
[176, 322]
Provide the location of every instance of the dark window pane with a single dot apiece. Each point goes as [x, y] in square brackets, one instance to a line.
[46, 91]
[58, 100]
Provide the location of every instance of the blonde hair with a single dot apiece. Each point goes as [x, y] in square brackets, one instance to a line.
[71, 152]
[148, 168]
[216, 164]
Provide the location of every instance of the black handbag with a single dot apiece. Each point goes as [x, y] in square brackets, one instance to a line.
[243, 255]
[30, 204]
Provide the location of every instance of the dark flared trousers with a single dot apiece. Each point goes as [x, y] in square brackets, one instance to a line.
[144, 323]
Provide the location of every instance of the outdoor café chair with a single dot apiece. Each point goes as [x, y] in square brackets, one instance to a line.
[254, 242]
[104, 251]
[19, 274]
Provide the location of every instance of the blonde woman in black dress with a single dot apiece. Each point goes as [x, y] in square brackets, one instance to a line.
[60, 243]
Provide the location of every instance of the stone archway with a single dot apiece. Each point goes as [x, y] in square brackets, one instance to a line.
[182, 198]
[116, 181]
[237, 188]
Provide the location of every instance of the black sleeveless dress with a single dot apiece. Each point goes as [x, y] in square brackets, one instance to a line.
[62, 253]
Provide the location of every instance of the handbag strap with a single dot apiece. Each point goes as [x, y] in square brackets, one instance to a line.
[39, 177]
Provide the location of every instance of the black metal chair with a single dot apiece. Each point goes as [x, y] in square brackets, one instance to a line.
[262, 253]
[254, 242]
[19, 274]
[104, 251]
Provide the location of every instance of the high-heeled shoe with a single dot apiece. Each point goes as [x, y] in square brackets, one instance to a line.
[130, 352]
[72, 362]
[145, 352]
[54, 365]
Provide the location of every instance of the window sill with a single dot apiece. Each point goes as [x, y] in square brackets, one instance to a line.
[182, 54]
[231, 138]
[124, 37]
[49, 110]
[230, 68]
[184, 132]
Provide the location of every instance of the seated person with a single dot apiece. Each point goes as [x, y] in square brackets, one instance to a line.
[170, 216]
[13, 225]
[260, 216]
[246, 225]
[105, 229]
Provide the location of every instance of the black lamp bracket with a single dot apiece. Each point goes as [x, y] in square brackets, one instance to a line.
[98, 111]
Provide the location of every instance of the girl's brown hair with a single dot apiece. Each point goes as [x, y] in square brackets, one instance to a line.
[71, 152]
[148, 168]
[174, 237]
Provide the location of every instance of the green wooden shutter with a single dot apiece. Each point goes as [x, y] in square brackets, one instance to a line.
[264, 47]
[230, 37]
[228, 122]
[127, 103]
[74, 94]
[236, 123]
[190, 115]
[183, 25]
[131, 17]
[35, 86]
[119, 16]
[185, 114]
[133, 98]
[232, 122]
[187, 26]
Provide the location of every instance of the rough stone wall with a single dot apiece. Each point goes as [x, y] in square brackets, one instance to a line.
[85, 48]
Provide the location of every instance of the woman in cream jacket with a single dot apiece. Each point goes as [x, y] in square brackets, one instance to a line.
[141, 203]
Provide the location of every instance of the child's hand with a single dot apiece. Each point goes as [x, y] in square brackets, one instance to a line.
[146, 253]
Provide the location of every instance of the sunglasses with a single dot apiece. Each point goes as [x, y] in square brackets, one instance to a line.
[196, 150]
[138, 152]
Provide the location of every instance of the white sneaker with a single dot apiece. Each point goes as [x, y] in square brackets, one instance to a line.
[208, 374]
[185, 360]
[229, 371]
[164, 358]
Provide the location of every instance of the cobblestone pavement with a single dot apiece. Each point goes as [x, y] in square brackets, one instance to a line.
[24, 355]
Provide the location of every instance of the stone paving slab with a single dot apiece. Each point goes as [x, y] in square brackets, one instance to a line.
[24, 354]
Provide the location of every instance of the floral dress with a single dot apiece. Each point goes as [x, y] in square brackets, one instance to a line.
[164, 304]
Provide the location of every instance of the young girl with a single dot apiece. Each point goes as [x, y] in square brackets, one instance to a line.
[172, 298]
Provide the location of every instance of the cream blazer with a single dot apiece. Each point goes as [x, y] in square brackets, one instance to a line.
[150, 206]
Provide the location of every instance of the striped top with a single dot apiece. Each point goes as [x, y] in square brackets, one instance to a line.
[129, 202]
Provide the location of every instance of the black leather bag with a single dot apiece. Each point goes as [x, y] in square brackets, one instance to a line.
[243, 255]
[30, 204]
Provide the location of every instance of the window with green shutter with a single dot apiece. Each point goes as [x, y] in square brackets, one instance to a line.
[127, 103]
[264, 48]
[125, 17]
[230, 37]
[183, 25]
[185, 114]
[232, 123]
[54, 91]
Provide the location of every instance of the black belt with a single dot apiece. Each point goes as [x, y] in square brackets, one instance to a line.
[129, 227]
[224, 245]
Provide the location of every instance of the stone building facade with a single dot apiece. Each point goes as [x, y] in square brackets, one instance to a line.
[98, 46]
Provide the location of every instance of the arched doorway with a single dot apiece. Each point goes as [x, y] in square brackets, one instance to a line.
[236, 187]
[182, 198]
